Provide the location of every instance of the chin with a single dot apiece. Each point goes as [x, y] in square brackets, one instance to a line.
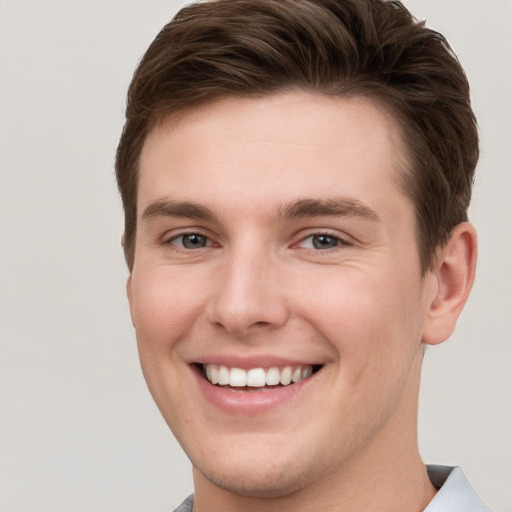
[263, 479]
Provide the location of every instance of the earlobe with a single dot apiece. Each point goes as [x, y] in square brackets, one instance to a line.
[454, 272]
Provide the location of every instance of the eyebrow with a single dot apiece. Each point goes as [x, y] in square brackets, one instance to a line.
[300, 208]
[329, 207]
[177, 209]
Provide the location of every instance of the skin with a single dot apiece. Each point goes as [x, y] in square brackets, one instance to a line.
[260, 289]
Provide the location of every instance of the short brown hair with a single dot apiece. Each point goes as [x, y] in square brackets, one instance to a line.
[369, 48]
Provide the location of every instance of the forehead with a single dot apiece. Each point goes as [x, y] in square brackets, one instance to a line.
[280, 145]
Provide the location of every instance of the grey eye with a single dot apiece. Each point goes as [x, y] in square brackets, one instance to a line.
[193, 241]
[324, 241]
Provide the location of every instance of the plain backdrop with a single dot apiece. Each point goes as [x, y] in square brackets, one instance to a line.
[78, 429]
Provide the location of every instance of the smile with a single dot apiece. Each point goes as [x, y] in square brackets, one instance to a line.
[221, 375]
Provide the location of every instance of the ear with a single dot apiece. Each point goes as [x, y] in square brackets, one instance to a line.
[128, 283]
[130, 297]
[454, 274]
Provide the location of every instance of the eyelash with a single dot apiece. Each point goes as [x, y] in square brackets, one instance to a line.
[340, 242]
[172, 240]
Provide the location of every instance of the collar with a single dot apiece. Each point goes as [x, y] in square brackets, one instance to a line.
[455, 494]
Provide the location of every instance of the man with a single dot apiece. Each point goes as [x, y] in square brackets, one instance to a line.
[295, 176]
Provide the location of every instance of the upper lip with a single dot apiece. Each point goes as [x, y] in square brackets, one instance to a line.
[262, 361]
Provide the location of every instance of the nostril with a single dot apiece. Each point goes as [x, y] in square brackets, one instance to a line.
[260, 323]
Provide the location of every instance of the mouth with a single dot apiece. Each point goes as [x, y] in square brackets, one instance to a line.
[255, 379]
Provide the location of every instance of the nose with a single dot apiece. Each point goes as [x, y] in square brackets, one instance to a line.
[249, 297]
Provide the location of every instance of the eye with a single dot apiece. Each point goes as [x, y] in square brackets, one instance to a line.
[321, 242]
[191, 241]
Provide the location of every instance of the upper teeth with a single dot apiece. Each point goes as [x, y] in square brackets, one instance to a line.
[256, 377]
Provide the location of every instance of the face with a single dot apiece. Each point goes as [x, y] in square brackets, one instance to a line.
[276, 293]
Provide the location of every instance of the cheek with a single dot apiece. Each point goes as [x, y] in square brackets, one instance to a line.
[163, 308]
[163, 312]
[366, 316]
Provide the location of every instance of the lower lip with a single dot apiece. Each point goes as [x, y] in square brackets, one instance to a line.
[249, 403]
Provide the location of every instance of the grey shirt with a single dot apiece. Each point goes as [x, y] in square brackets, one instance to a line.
[454, 494]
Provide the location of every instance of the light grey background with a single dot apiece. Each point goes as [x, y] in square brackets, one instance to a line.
[78, 429]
